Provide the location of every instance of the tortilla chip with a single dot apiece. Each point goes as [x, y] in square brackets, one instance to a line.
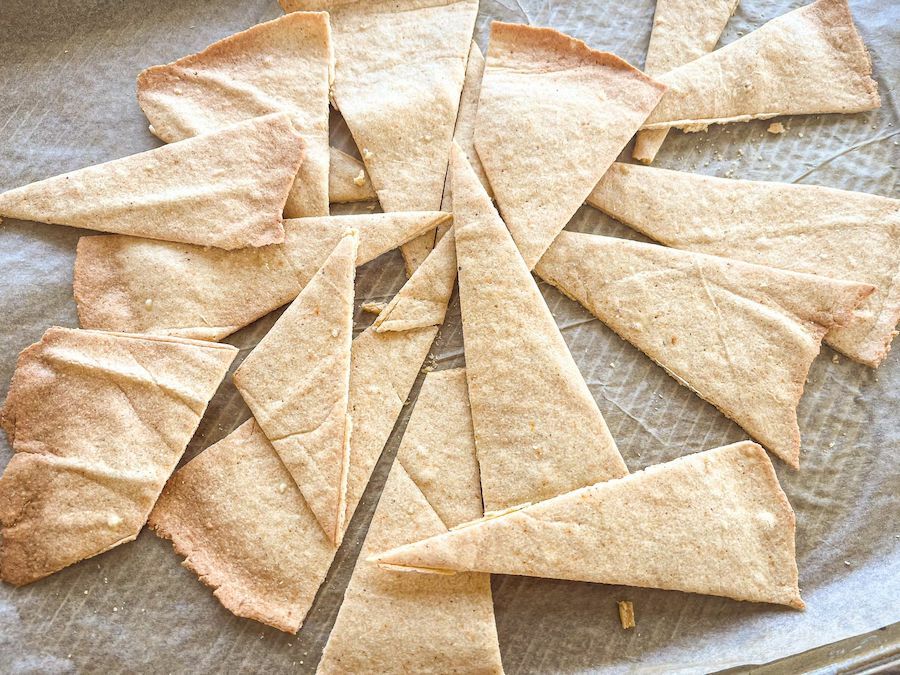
[97, 422]
[552, 117]
[409, 623]
[239, 178]
[296, 383]
[347, 180]
[682, 32]
[538, 429]
[438, 448]
[741, 336]
[423, 299]
[804, 228]
[123, 283]
[464, 134]
[285, 65]
[778, 69]
[236, 515]
[399, 69]
[723, 507]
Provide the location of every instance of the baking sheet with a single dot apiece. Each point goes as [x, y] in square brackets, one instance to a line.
[67, 74]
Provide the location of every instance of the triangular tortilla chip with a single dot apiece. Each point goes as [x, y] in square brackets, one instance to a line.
[716, 522]
[224, 189]
[538, 429]
[394, 622]
[391, 622]
[285, 65]
[423, 299]
[296, 383]
[139, 285]
[741, 336]
[778, 69]
[399, 69]
[552, 117]
[682, 32]
[804, 228]
[464, 134]
[347, 180]
[97, 422]
[236, 515]
[276, 581]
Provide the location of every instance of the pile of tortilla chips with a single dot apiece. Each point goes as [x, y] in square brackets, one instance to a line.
[478, 163]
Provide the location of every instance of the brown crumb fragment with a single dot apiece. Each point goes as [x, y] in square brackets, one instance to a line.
[626, 613]
[375, 308]
[776, 128]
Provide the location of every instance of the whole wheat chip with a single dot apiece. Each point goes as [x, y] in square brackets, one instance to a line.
[224, 189]
[285, 65]
[97, 422]
[741, 336]
[236, 515]
[296, 383]
[139, 285]
[392, 622]
[778, 69]
[347, 180]
[464, 133]
[552, 117]
[723, 507]
[538, 429]
[682, 32]
[805, 228]
[399, 68]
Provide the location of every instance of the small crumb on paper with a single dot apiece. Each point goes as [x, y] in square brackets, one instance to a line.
[626, 613]
[360, 179]
[375, 308]
[776, 128]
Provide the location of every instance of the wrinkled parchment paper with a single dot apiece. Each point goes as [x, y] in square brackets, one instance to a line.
[67, 73]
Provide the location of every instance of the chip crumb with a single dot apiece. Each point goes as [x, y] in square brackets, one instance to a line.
[282, 487]
[626, 613]
[335, 332]
[148, 303]
[835, 358]
[375, 308]
[360, 179]
[367, 154]
[113, 519]
[777, 128]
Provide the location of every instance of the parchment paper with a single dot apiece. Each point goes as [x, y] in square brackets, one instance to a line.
[67, 72]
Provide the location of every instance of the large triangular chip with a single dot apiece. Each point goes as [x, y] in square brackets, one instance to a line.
[283, 65]
[399, 69]
[552, 117]
[224, 189]
[97, 422]
[391, 622]
[236, 515]
[296, 382]
[805, 228]
[538, 429]
[139, 285]
[682, 32]
[716, 523]
[778, 69]
[741, 336]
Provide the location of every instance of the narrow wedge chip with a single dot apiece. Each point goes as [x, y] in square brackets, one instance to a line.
[805, 228]
[399, 69]
[97, 423]
[552, 117]
[225, 189]
[723, 507]
[538, 429]
[244, 528]
[347, 180]
[139, 285]
[285, 65]
[682, 31]
[391, 622]
[741, 336]
[464, 133]
[778, 69]
[296, 383]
